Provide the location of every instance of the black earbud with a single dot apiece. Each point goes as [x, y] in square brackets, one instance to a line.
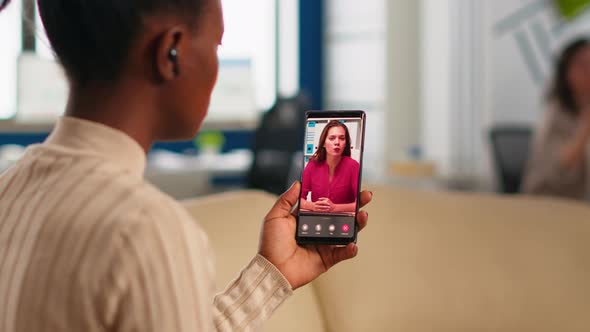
[173, 56]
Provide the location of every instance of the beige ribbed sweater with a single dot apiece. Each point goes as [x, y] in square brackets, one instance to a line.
[87, 245]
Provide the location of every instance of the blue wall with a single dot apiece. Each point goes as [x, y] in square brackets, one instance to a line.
[311, 57]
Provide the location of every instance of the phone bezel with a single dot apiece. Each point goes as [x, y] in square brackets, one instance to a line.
[305, 240]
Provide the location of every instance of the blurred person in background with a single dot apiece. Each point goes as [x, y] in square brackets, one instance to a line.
[559, 164]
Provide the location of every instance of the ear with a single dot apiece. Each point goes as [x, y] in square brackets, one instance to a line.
[168, 57]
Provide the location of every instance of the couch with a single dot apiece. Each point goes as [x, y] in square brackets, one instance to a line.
[430, 261]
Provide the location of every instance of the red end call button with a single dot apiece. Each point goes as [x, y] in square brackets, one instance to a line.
[345, 228]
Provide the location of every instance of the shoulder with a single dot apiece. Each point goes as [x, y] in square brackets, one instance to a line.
[160, 225]
[160, 207]
[556, 116]
[556, 125]
[150, 213]
[349, 162]
[313, 164]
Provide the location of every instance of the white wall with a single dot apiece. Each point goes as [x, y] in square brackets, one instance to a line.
[441, 73]
[435, 55]
[523, 37]
[373, 64]
[484, 63]
[403, 78]
[288, 47]
[356, 68]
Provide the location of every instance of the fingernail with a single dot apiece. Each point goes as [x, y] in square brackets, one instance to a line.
[370, 192]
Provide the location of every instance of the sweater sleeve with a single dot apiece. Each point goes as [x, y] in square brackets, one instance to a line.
[251, 298]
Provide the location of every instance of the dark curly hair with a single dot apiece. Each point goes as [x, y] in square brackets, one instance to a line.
[92, 38]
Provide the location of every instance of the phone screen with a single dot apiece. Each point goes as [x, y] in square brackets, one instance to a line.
[331, 176]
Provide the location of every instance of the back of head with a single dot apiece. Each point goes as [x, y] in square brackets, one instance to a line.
[92, 38]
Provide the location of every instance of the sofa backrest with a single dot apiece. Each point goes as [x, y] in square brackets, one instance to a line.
[432, 261]
[232, 222]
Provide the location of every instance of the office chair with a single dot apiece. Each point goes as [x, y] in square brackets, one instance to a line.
[510, 148]
[278, 137]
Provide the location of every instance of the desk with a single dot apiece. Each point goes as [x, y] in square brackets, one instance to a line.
[184, 176]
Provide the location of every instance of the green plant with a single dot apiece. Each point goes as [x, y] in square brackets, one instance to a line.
[571, 8]
[210, 140]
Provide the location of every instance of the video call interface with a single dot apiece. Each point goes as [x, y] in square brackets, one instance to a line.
[330, 178]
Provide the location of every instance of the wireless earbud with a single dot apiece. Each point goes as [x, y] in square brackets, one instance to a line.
[173, 56]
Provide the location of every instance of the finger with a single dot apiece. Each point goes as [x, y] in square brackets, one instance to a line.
[285, 202]
[362, 219]
[340, 254]
[366, 197]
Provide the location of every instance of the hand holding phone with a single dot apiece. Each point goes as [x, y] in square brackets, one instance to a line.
[333, 201]
[301, 264]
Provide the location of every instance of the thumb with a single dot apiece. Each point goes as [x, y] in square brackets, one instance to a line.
[286, 201]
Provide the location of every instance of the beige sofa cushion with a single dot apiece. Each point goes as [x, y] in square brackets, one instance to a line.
[232, 222]
[457, 262]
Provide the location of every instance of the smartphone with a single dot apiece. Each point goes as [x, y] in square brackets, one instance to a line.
[331, 177]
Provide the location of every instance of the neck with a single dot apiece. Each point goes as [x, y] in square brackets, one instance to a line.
[131, 112]
[333, 160]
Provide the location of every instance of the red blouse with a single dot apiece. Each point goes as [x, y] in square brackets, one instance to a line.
[344, 186]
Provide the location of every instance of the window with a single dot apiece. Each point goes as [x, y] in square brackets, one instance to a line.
[10, 34]
[250, 35]
[248, 59]
[247, 74]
